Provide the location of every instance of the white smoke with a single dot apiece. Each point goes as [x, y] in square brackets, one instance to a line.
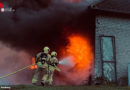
[68, 61]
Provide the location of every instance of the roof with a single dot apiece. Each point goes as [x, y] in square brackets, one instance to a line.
[118, 6]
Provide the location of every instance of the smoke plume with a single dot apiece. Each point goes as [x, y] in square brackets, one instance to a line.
[29, 28]
[35, 24]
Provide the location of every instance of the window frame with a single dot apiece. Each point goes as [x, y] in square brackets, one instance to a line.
[114, 55]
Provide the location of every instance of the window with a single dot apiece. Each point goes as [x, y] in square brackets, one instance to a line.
[108, 58]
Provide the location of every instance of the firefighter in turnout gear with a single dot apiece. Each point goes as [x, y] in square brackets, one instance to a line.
[41, 60]
[52, 67]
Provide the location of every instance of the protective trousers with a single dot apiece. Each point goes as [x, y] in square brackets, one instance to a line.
[50, 74]
[36, 75]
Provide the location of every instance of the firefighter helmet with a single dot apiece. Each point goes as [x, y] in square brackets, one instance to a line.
[46, 49]
[53, 53]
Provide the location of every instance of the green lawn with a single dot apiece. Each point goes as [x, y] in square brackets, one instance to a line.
[100, 87]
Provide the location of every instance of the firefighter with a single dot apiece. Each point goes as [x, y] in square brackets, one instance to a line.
[52, 67]
[41, 60]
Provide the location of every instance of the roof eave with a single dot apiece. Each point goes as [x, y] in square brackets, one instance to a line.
[98, 11]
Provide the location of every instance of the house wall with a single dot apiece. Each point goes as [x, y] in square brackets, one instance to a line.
[120, 28]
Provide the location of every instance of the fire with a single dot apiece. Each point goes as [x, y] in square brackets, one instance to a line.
[81, 51]
[33, 62]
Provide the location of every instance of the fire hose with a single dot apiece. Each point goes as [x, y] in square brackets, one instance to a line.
[21, 70]
[16, 71]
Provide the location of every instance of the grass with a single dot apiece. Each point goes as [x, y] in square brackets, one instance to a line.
[98, 87]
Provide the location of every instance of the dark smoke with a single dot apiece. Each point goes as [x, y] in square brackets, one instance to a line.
[34, 24]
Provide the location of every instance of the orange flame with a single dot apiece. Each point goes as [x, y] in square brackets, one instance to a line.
[33, 62]
[80, 49]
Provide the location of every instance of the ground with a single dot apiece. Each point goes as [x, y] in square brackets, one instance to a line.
[99, 87]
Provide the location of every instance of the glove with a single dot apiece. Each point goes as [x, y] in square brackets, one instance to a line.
[39, 64]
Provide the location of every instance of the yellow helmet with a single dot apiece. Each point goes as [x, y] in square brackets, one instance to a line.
[53, 53]
[46, 49]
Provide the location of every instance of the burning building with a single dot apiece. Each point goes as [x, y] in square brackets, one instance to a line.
[112, 40]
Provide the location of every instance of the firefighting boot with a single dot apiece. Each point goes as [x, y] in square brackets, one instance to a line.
[42, 83]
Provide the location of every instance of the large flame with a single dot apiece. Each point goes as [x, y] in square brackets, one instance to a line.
[33, 62]
[80, 49]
